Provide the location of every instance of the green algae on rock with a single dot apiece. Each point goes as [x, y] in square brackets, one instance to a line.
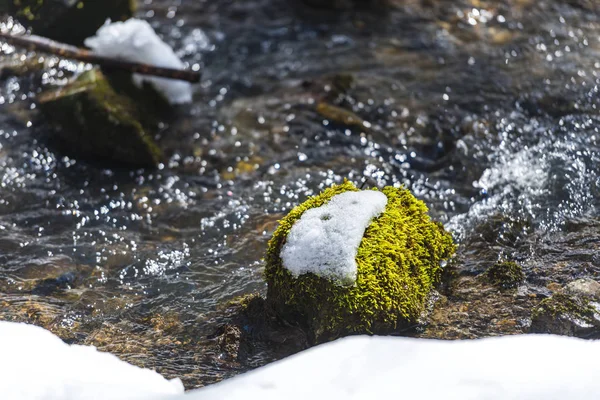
[566, 314]
[398, 263]
[66, 20]
[96, 122]
[507, 274]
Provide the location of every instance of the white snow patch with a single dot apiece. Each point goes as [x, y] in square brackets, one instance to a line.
[325, 239]
[36, 365]
[134, 40]
[524, 367]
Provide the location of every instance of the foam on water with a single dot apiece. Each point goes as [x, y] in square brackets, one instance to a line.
[546, 183]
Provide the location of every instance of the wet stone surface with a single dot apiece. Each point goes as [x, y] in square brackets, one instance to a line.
[486, 110]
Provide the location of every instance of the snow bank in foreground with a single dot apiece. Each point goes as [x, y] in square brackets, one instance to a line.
[361, 367]
[134, 40]
[36, 365]
[325, 239]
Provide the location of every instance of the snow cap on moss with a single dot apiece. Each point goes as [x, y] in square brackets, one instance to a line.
[134, 40]
[398, 262]
[325, 239]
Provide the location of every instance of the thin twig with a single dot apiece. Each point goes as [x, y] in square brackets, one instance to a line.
[39, 43]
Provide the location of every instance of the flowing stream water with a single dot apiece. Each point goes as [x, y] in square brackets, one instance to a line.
[486, 110]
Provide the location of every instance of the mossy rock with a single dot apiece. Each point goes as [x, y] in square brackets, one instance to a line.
[398, 264]
[95, 122]
[566, 314]
[145, 96]
[67, 20]
[507, 274]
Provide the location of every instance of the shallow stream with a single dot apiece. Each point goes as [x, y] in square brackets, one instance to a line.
[486, 110]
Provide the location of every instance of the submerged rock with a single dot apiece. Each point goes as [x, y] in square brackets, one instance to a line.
[575, 311]
[340, 115]
[96, 122]
[398, 262]
[229, 338]
[66, 20]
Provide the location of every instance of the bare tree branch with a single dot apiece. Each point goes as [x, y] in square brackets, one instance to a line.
[42, 44]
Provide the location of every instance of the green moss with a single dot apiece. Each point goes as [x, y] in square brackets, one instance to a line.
[505, 274]
[564, 305]
[398, 264]
[564, 314]
[94, 121]
[146, 96]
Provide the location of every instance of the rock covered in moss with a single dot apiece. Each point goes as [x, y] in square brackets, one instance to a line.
[93, 121]
[67, 20]
[398, 263]
[507, 274]
[575, 311]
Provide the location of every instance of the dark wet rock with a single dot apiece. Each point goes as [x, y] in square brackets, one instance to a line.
[342, 83]
[493, 238]
[94, 121]
[263, 322]
[471, 307]
[49, 286]
[65, 20]
[553, 105]
[567, 314]
[507, 274]
[253, 325]
[561, 258]
[340, 115]
[503, 230]
[338, 88]
[229, 338]
[146, 97]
